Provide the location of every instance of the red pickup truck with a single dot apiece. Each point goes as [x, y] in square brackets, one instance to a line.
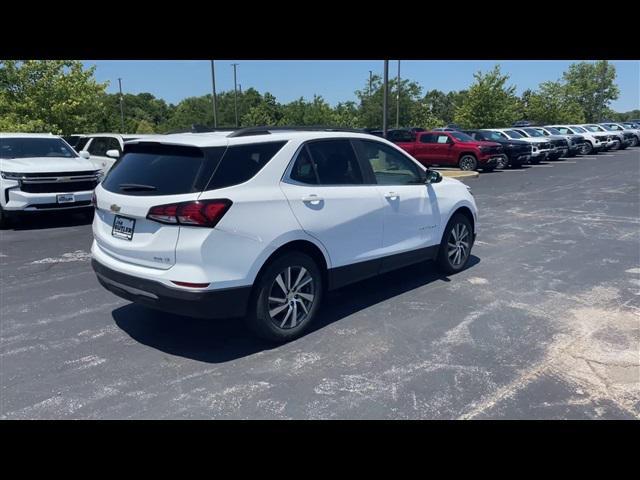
[453, 148]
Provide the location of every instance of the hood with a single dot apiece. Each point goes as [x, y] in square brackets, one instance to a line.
[534, 140]
[480, 143]
[46, 165]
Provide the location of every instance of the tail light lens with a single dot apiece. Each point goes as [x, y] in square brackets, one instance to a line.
[203, 213]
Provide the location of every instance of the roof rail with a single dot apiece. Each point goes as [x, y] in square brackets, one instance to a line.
[266, 130]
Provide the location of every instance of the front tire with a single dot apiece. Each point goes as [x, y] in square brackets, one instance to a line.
[5, 221]
[456, 244]
[286, 298]
[586, 149]
[468, 162]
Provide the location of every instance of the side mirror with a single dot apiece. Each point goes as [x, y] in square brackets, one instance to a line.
[84, 154]
[432, 177]
[113, 153]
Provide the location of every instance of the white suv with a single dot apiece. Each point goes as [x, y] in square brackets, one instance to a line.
[103, 149]
[260, 222]
[40, 172]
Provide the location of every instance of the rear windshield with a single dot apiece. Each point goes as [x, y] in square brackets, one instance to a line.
[162, 170]
[26, 147]
[147, 169]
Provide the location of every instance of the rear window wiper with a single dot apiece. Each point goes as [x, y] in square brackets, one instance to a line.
[136, 186]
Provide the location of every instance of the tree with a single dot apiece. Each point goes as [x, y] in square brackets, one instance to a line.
[593, 87]
[57, 96]
[371, 104]
[442, 105]
[144, 127]
[488, 102]
[267, 112]
[552, 104]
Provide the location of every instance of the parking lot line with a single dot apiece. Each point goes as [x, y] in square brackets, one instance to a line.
[565, 163]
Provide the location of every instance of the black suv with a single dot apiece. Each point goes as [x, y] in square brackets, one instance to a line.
[517, 152]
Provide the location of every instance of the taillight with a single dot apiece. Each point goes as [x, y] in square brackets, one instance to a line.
[203, 213]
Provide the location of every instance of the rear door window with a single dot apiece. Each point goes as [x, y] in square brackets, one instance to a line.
[336, 162]
[162, 170]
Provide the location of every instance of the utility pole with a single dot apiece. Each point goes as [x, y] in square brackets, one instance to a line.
[121, 107]
[235, 91]
[213, 89]
[370, 81]
[384, 98]
[398, 98]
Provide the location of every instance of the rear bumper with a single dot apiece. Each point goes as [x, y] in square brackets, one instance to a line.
[223, 303]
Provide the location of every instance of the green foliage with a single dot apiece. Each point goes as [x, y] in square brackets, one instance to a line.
[593, 87]
[488, 102]
[62, 97]
[552, 104]
[57, 96]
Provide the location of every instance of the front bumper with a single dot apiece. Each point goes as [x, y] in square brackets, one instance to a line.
[17, 200]
[211, 304]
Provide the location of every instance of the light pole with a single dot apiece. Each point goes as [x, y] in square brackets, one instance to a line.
[235, 91]
[384, 98]
[213, 89]
[398, 98]
[121, 107]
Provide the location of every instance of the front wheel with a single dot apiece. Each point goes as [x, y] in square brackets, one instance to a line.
[4, 219]
[456, 244]
[635, 141]
[287, 297]
[586, 148]
[468, 162]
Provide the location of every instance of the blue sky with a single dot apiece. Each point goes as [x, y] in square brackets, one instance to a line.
[334, 80]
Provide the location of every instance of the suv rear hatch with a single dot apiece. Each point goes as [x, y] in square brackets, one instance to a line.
[149, 174]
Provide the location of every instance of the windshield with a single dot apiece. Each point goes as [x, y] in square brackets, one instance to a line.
[533, 132]
[578, 129]
[514, 134]
[553, 131]
[594, 128]
[26, 147]
[463, 137]
[492, 135]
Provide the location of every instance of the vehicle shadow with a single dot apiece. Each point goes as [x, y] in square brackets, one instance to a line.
[43, 220]
[219, 341]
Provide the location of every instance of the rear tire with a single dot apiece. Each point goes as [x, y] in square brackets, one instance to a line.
[455, 247]
[280, 314]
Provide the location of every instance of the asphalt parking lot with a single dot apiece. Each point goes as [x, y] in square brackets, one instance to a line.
[544, 324]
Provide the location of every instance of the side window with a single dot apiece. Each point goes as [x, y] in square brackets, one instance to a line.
[442, 139]
[389, 166]
[81, 143]
[100, 145]
[336, 162]
[428, 138]
[304, 170]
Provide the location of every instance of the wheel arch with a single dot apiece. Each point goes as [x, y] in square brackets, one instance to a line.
[306, 246]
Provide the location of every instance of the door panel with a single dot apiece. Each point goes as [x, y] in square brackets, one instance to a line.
[409, 223]
[326, 191]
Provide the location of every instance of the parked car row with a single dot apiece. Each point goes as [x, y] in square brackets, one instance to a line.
[487, 149]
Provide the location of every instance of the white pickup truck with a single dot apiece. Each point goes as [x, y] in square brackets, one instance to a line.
[42, 172]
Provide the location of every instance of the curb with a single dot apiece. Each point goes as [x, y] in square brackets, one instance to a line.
[458, 174]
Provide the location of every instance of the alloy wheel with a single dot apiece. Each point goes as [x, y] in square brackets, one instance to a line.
[458, 245]
[291, 297]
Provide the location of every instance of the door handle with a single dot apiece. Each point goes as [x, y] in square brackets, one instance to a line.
[312, 199]
[391, 195]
